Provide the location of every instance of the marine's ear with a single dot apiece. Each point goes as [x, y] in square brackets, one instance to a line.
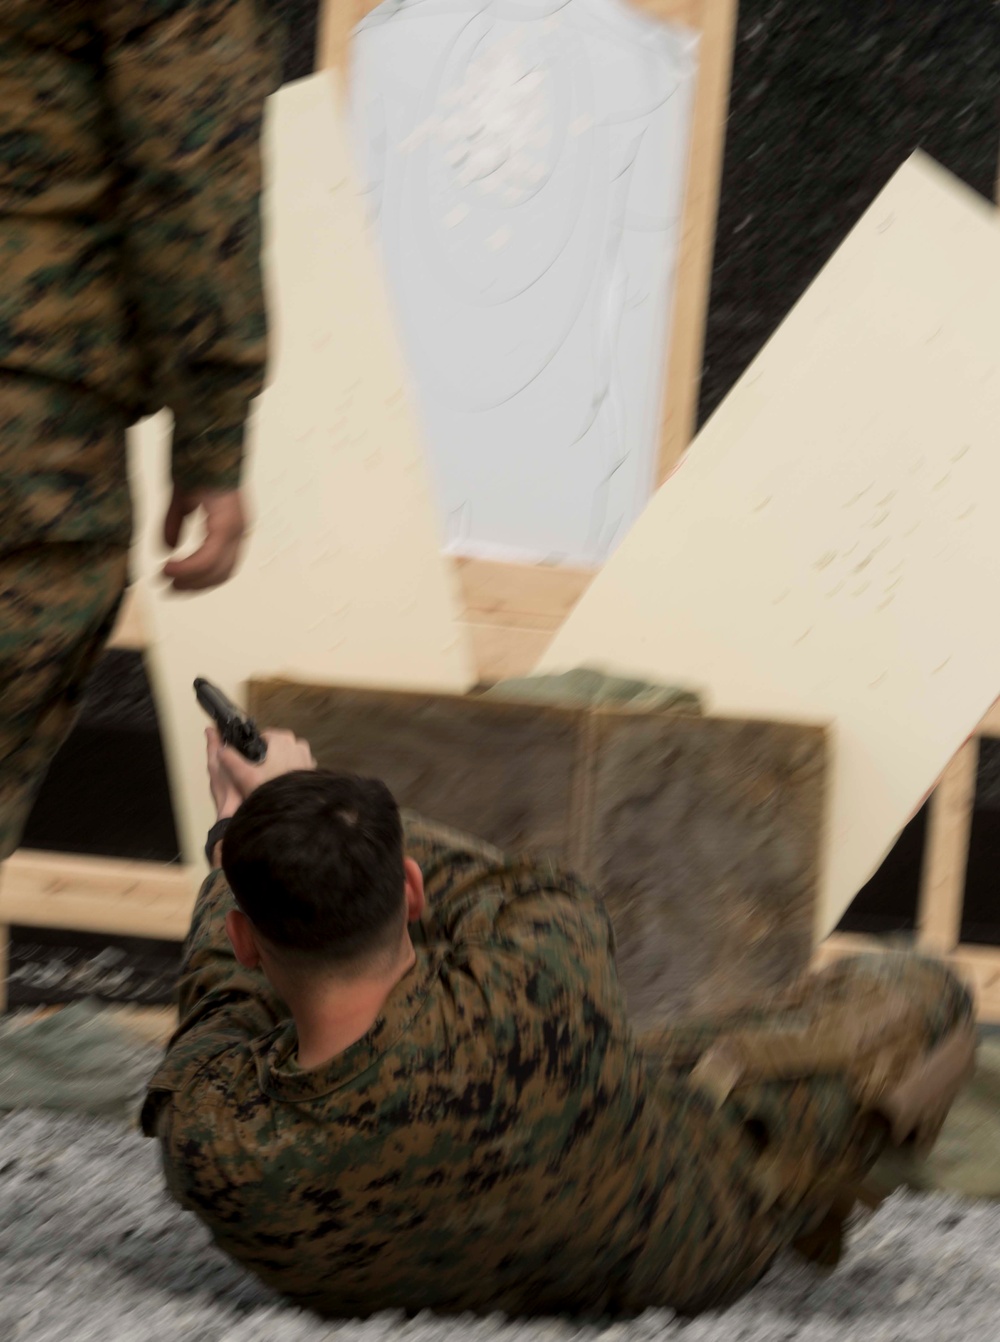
[413, 884]
[241, 936]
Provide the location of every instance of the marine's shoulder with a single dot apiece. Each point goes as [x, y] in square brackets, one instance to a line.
[206, 1070]
[519, 876]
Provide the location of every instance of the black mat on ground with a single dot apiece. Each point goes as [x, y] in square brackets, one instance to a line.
[51, 967]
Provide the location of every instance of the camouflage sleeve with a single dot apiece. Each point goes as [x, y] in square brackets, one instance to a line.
[446, 858]
[187, 81]
[220, 1004]
[214, 989]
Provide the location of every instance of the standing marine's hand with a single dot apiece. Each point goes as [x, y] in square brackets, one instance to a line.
[215, 559]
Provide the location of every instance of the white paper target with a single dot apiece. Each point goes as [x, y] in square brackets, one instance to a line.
[525, 165]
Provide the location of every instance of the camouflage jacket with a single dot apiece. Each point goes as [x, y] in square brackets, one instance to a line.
[129, 217]
[492, 1142]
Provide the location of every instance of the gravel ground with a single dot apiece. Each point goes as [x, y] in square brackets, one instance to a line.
[91, 1250]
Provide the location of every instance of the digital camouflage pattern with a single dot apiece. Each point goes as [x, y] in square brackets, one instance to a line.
[58, 604]
[500, 1139]
[129, 246]
[129, 257]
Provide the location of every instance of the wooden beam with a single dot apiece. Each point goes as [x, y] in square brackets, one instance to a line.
[502, 651]
[138, 899]
[339, 18]
[512, 611]
[687, 13]
[842, 944]
[979, 967]
[337, 21]
[528, 596]
[715, 21]
[942, 885]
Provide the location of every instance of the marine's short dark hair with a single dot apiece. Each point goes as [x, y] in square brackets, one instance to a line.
[315, 861]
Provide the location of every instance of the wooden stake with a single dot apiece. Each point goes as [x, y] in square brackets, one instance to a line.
[138, 899]
[715, 21]
[942, 889]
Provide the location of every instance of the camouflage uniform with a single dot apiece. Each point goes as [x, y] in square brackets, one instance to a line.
[500, 1139]
[129, 256]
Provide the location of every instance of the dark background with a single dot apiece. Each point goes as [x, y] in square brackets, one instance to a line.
[828, 100]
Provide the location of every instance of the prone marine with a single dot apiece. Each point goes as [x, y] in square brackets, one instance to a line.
[404, 1076]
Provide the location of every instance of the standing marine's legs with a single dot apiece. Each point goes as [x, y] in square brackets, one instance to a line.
[66, 375]
[58, 603]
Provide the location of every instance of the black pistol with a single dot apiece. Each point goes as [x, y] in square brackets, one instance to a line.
[235, 728]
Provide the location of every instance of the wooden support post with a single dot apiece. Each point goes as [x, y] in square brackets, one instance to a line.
[337, 21]
[136, 899]
[979, 968]
[942, 890]
[715, 22]
[512, 613]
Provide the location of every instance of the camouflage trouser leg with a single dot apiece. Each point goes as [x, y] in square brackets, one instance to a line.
[65, 512]
[58, 603]
[66, 358]
[767, 1164]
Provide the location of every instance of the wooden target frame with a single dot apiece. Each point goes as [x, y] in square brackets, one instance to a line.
[512, 611]
[154, 900]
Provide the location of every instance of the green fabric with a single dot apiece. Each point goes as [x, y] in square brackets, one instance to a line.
[966, 1159]
[589, 687]
[76, 1060]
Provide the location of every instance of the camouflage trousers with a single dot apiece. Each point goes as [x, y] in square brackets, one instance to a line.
[58, 603]
[809, 1139]
[776, 1158]
[67, 392]
[65, 524]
